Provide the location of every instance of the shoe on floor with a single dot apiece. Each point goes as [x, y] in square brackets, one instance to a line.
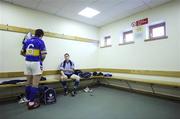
[73, 93]
[23, 100]
[86, 90]
[66, 93]
[33, 105]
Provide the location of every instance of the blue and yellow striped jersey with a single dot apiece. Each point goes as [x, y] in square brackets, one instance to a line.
[34, 48]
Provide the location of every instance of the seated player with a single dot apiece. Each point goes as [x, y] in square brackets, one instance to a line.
[67, 72]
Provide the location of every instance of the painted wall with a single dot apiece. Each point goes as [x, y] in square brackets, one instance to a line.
[153, 55]
[82, 53]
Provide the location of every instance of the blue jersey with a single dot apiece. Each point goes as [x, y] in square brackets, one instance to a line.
[34, 49]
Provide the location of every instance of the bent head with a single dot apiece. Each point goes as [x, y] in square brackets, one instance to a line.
[66, 57]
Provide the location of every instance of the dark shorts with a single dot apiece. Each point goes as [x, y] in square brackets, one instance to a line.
[69, 75]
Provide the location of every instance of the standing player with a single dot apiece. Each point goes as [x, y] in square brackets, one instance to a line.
[34, 51]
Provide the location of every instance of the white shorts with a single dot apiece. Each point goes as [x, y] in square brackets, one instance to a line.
[33, 68]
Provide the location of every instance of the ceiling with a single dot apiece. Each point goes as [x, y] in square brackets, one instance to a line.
[111, 10]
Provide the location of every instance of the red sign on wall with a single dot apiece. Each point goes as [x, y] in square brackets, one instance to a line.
[140, 22]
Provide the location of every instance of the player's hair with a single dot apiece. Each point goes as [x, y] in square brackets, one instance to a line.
[39, 33]
[66, 54]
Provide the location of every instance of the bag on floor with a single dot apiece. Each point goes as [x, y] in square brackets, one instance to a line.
[47, 95]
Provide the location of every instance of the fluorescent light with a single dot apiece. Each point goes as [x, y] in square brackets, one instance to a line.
[88, 12]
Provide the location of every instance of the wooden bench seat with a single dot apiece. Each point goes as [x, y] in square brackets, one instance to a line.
[175, 82]
[147, 80]
[48, 81]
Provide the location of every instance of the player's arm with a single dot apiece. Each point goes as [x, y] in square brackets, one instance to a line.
[43, 51]
[62, 73]
[61, 69]
[43, 55]
[27, 36]
[23, 50]
[72, 67]
[68, 69]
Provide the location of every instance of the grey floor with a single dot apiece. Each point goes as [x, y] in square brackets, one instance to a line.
[103, 103]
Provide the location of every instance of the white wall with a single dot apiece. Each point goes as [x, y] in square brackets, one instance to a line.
[82, 53]
[154, 55]
[1, 58]
[1, 40]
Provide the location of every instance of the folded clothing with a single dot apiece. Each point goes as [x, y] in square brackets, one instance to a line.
[97, 74]
[12, 81]
[85, 75]
[108, 75]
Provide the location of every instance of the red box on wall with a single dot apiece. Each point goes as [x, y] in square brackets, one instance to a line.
[142, 22]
